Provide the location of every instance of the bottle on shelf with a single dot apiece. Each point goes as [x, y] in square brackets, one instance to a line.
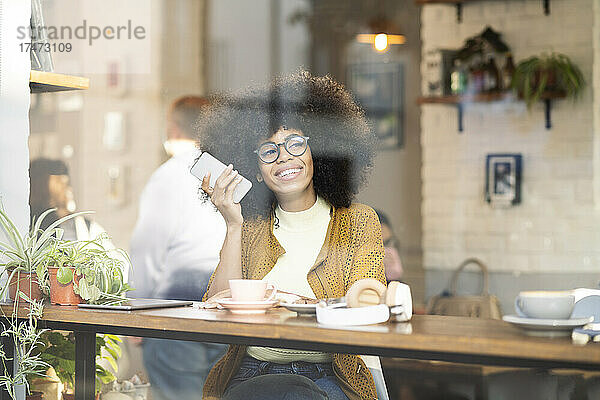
[458, 78]
[508, 70]
[475, 80]
[491, 75]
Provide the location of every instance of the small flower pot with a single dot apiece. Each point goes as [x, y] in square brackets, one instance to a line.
[26, 282]
[62, 294]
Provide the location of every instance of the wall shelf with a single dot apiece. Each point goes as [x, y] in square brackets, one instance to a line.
[460, 100]
[475, 98]
[459, 4]
[41, 82]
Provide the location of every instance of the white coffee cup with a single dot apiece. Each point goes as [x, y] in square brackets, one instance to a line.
[547, 304]
[251, 290]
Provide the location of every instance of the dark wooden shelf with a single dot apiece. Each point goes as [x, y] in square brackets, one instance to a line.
[42, 82]
[459, 4]
[475, 98]
[460, 100]
[483, 98]
[422, 2]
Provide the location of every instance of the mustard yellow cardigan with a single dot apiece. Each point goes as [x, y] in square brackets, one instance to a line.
[353, 250]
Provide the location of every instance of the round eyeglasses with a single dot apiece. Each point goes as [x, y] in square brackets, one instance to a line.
[296, 145]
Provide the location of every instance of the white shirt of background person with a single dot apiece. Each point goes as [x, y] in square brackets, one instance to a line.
[175, 229]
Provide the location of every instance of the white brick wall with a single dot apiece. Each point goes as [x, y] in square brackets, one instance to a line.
[555, 228]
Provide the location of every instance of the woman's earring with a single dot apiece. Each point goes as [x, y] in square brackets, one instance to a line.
[259, 178]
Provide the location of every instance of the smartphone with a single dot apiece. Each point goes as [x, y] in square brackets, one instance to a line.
[207, 163]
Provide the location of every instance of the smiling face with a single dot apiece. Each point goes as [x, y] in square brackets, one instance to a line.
[290, 177]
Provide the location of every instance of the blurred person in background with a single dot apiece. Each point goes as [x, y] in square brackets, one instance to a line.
[392, 261]
[174, 249]
[51, 188]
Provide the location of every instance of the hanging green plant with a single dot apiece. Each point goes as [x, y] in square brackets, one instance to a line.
[553, 73]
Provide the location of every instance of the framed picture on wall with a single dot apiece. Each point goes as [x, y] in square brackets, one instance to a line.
[503, 179]
[379, 90]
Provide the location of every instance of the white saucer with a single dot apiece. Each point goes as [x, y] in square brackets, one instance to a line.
[547, 327]
[247, 307]
[301, 308]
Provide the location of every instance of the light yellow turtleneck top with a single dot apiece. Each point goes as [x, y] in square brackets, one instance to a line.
[302, 235]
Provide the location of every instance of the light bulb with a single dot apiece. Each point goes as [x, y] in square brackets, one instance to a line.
[381, 42]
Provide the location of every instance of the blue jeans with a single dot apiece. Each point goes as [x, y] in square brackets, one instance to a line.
[261, 380]
[177, 369]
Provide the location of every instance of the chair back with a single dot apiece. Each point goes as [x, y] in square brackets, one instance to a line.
[374, 365]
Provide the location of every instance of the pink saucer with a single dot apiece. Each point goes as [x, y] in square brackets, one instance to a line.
[247, 307]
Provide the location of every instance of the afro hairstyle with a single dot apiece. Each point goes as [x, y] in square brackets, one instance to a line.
[341, 141]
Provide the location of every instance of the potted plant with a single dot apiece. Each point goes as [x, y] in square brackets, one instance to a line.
[26, 337]
[61, 266]
[87, 271]
[58, 350]
[29, 256]
[553, 72]
[23, 259]
[25, 255]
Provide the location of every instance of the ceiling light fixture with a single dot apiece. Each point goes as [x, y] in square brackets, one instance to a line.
[384, 34]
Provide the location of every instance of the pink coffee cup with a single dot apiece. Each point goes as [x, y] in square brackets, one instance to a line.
[251, 290]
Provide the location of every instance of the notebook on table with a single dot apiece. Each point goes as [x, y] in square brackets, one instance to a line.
[139, 304]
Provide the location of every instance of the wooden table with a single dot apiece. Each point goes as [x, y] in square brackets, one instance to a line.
[426, 337]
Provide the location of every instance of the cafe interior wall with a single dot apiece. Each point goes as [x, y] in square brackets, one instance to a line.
[551, 239]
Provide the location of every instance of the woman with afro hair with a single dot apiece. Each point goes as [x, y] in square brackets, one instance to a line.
[308, 149]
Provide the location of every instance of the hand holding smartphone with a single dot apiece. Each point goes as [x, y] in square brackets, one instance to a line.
[207, 163]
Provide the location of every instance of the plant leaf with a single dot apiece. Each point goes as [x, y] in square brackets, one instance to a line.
[114, 338]
[114, 348]
[113, 358]
[82, 289]
[50, 230]
[38, 223]
[64, 275]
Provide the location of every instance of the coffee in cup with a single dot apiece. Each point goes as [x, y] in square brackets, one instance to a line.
[251, 290]
[547, 304]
